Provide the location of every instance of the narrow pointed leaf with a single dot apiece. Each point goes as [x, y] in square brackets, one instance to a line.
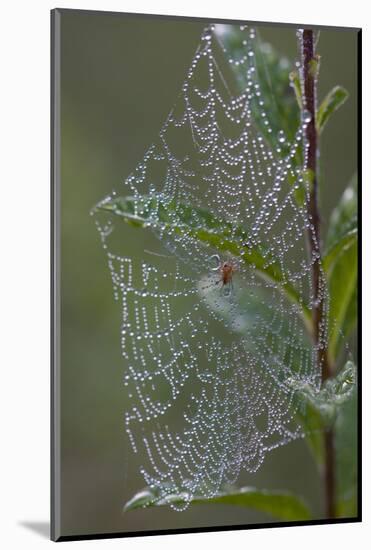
[340, 264]
[280, 505]
[313, 425]
[343, 219]
[346, 241]
[346, 459]
[334, 99]
[343, 298]
[295, 83]
[224, 236]
[273, 72]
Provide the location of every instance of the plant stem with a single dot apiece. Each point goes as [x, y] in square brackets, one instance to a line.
[309, 84]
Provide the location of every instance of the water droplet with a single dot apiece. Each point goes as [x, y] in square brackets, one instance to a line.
[306, 116]
[281, 136]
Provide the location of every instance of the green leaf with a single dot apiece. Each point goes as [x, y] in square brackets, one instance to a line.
[346, 459]
[343, 298]
[340, 265]
[280, 505]
[313, 425]
[328, 400]
[332, 255]
[295, 83]
[280, 93]
[344, 217]
[314, 66]
[278, 90]
[334, 99]
[168, 216]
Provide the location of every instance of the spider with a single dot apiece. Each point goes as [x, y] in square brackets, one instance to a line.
[226, 269]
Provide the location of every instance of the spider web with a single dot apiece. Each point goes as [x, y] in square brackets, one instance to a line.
[207, 365]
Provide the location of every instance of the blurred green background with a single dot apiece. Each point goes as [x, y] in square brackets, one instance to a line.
[120, 77]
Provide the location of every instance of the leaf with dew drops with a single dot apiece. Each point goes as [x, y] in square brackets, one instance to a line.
[273, 73]
[158, 212]
[340, 265]
[328, 400]
[331, 103]
[281, 505]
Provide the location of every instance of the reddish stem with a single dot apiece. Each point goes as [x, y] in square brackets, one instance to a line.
[309, 76]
